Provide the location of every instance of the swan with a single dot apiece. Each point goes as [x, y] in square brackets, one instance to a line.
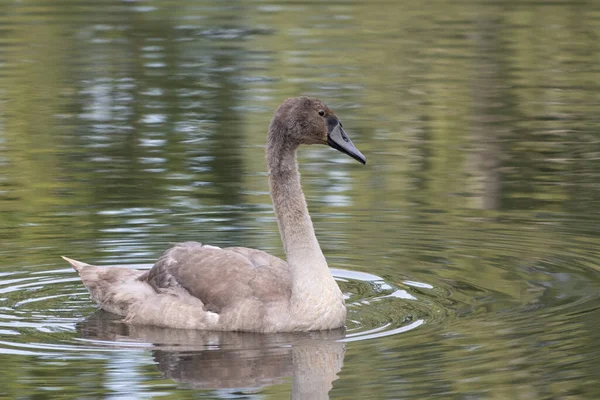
[198, 286]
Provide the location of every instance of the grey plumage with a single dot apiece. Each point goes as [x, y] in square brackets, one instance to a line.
[195, 286]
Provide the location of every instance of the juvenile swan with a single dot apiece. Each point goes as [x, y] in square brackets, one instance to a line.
[196, 286]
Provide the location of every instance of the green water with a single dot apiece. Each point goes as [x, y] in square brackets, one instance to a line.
[468, 247]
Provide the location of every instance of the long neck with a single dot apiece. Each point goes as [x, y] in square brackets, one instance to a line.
[316, 302]
[300, 244]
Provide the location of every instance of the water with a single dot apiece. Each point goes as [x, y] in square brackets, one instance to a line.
[468, 247]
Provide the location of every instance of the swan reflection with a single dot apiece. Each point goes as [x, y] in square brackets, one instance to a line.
[219, 360]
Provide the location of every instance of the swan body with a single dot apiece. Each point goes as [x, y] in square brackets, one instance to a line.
[196, 286]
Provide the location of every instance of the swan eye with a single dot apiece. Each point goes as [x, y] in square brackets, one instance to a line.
[321, 113]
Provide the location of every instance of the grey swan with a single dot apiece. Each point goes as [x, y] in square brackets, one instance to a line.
[196, 286]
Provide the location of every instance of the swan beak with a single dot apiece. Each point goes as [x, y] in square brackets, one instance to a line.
[337, 138]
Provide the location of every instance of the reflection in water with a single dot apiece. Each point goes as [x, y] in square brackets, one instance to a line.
[216, 360]
[492, 115]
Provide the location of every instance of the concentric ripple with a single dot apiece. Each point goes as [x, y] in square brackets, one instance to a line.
[49, 312]
[377, 308]
[43, 312]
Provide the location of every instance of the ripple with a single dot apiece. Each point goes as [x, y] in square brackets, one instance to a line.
[377, 308]
[43, 312]
[49, 312]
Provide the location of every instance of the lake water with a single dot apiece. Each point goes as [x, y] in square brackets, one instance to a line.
[468, 247]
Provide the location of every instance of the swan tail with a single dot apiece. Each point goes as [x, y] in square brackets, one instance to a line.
[77, 265]
[125, 292]
[114, 289]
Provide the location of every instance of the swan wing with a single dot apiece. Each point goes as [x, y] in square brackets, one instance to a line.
[221, 277]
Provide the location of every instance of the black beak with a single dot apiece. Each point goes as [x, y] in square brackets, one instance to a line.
[337, 138]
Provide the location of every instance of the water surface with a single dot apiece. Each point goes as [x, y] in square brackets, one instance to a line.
[468, 247]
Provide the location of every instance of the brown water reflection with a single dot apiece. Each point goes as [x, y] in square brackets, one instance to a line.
[128, 125]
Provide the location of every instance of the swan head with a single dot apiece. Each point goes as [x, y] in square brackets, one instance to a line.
[306, 120]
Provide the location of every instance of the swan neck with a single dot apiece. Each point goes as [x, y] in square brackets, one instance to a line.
[295, 226]
[316, 301]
